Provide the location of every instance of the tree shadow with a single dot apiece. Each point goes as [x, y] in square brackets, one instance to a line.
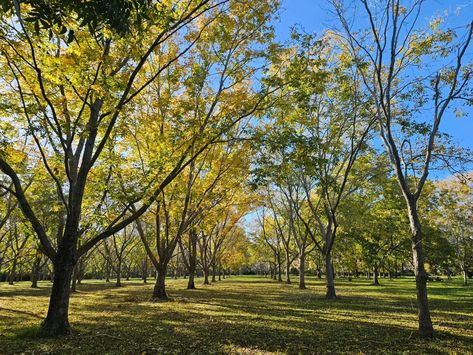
[235, 316]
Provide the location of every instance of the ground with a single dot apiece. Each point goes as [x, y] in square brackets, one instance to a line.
[240, 315]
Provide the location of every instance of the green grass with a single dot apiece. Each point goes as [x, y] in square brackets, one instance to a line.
[244, 315]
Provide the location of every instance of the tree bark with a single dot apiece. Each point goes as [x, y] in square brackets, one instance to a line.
[279, 271]
[425, 323]
[107, 271]
[214, 273]
[375, 276]
[12, 273]
[329, 278]
[192, 267]
[35, 272]
[206, 276]
[74, 279]
[159, 291]
[302, 271]
[288, 268]
[145, 270]
[57, 319]
[191, 281]
[119, 274]
[465, 276]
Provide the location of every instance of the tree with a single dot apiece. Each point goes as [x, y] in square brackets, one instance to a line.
[455, 202]
[321, 123]
[406, 70]
[269, 236]
[71, 100]
[373, 219]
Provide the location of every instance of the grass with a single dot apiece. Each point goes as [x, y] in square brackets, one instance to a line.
[241, 315]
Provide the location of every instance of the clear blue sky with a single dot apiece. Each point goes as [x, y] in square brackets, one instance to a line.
[315, 16]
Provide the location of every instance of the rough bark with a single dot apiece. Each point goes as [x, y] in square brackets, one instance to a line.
[191, 281]
[57, 319]
[206, 276]
[302, 271]
[425, 323]
[329, 278]
[159, 291]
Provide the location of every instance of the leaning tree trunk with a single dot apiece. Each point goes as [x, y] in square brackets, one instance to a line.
[302, 271]
[57, 319]
[159, 291]
[329, 278]
[425, 323]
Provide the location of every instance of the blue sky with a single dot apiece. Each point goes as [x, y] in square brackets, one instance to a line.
[315, 16]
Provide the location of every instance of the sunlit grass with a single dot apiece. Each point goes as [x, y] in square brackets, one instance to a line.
[247, 315]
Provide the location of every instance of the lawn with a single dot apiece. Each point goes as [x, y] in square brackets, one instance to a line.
[241, 315]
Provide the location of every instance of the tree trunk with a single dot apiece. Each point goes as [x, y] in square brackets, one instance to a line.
[191, 282]
[449, 273]
[119, 274]
[288, 268]
[425, 323]
[12, 274]
[35, 272]
[192, 267]
[329, 279]
[107, 271]
[465, 276]
[206, 276]
[159, 292]
[57, 320]
[279, 272]
[302, 271]
[214, 273]
[74, 279]
[145, 270]
[375, 276]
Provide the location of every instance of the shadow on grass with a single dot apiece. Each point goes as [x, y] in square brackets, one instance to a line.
[242, 316]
